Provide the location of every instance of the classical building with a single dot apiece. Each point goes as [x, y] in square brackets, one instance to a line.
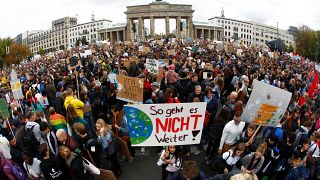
[250, 32]
[164, 10]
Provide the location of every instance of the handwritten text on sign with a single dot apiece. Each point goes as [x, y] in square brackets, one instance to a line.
[165, 124]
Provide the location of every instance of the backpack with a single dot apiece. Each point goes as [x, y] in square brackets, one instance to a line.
[300, 137]
[30, 142]
[270, 131]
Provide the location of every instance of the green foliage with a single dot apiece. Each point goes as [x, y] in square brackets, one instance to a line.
[308, 43]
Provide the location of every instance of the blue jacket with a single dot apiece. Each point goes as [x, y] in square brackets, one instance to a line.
[297, 172]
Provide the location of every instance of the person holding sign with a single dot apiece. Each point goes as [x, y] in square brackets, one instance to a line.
[230, 132]
[167, 161]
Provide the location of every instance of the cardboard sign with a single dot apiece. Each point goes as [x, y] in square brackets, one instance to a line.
[4, 109]
[160, 74]
[160, 42]
[165, 124]
[267, 104]
[127, 62]
[163, 62]
[171, 52]
[130, 89]
[146, 50]
[152, 65]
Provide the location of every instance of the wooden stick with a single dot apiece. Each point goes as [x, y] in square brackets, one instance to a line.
[255, 133]
[11, 129]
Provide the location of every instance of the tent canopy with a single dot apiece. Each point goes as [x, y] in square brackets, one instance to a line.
[276, 45]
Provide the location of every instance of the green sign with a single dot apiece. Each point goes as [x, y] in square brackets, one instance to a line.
[4, 109]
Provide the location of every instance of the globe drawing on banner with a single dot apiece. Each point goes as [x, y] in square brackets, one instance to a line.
[139, 125]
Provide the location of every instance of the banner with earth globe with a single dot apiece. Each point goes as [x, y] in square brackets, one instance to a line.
[165, 124]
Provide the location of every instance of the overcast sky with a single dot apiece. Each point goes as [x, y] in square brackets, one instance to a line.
[18, 16]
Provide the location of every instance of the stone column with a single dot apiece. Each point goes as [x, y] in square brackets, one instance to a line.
[190, 27]
[123, 36]
[111, 37]
[118, 38]
[202, 34]
[129, 29]
[167, 25]
[141, 25]
[178, 32]
[152, 26]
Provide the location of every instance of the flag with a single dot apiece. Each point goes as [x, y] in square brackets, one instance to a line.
[314, 85]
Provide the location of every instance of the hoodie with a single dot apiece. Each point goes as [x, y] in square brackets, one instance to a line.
[36, 131]
[77, 104]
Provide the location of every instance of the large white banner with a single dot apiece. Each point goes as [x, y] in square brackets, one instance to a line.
[267, 104]
[165, 124]
[152, 65]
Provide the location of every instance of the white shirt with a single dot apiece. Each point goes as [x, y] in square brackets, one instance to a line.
[231, 160]
[230, 133]
[314, 149]
[5, 147]
[35, 167]
[171, 168]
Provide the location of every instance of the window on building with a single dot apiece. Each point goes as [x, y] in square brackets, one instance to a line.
[229, 27]
[218, 21]
[228, 33]
[235, 29]
[250, 37]
[225, 33]
[241, 35]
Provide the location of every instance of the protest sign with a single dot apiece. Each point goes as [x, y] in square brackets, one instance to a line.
[130, 89]
[44, 101]
[163, 62]
[171, 52]
[112, 77]
[73, 62]
[4, 109]
[146, 50]
[165, 124]
[160, 74]
[127, 62]
[267, 104]
[15, 86]
[205, 75]
[127, 43]
[152, 65]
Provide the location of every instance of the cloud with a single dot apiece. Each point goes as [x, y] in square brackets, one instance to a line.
[38, 14]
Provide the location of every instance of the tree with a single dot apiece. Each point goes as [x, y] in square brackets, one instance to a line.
[84, 41]
[78, 42]
[306, 42]
[290, 48]
[17, 53]
[3, 44]
[41, 51]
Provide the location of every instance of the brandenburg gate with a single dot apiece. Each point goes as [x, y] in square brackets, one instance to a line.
[159, 10]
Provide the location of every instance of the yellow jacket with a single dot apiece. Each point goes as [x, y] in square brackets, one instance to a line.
[77, 104]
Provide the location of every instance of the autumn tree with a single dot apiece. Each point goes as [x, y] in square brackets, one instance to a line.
[17, 53]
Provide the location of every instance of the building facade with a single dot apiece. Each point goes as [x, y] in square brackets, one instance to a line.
[87, 30]
[250, 32]
[54, 38]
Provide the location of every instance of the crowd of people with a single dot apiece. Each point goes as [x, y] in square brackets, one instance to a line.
[82, 132]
